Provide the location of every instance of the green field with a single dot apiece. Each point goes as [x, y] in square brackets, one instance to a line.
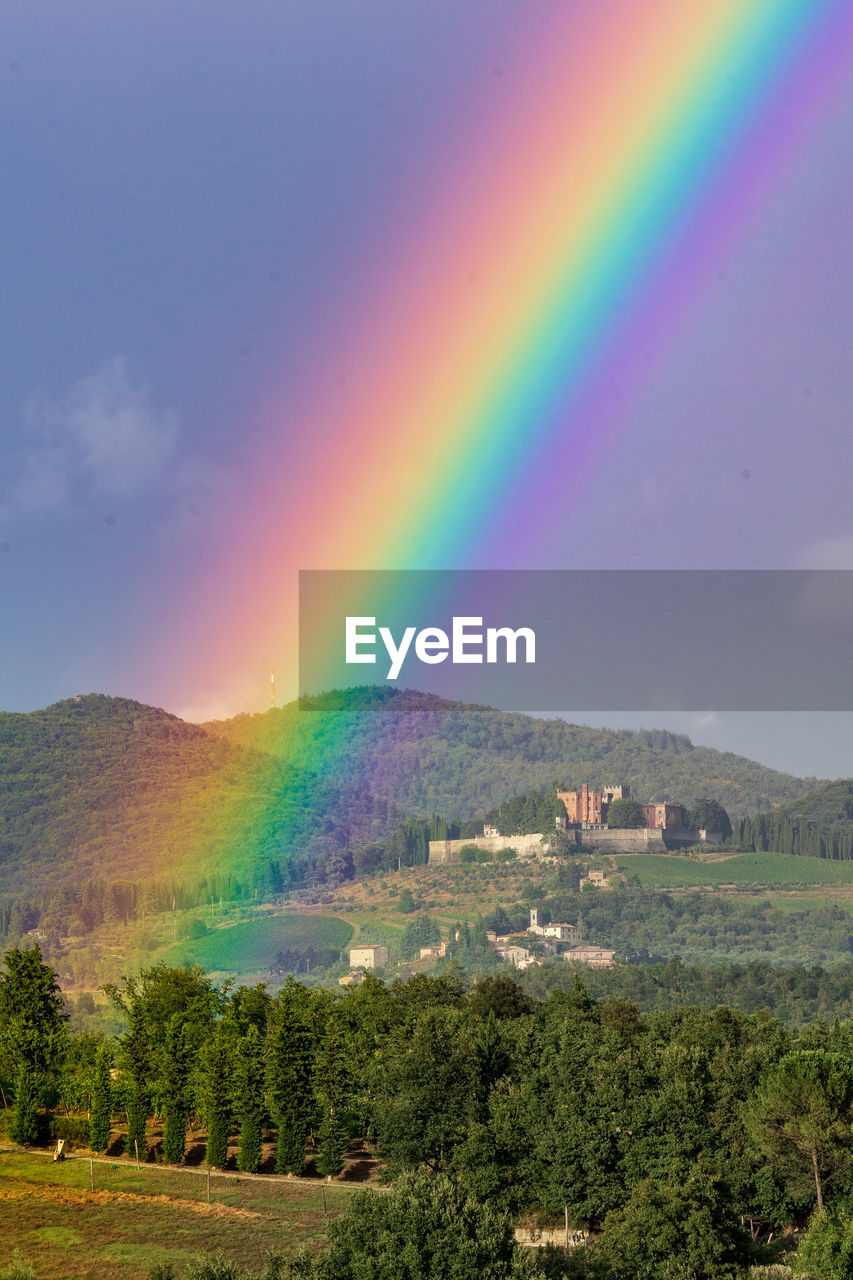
[132, 1220]
[763, 870]
[246, 948]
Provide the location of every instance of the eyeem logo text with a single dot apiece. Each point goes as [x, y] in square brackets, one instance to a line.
[467, 642]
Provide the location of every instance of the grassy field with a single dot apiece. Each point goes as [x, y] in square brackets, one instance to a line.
[133, 1219]
[254, 945]
[761, 870]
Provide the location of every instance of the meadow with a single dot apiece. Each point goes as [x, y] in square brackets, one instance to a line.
[757, 870]
[133, 1219]
[254, 945]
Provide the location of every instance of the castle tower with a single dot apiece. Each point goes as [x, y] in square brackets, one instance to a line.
[272, 688]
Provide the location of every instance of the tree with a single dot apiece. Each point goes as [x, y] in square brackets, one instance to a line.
[501, 994]
[662, 1225]
[420, 932]
[332, 1082]
[826, 1253]
[425, 1086]
[801, 1115]
[708, 815]
[102, 1101]
[425, 1229]
[175, 1092]
[25, 1118]
[332, 1141]
[289, 1063]
[32, 1018]
[250, 1101]
[216, 1098]
[136, 1058]
[623, 812]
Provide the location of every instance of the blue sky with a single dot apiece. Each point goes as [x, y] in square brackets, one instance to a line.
[189, 191]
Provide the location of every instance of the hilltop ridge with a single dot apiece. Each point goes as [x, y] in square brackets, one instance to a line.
[97, 786]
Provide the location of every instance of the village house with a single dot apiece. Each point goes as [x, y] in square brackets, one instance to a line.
[596, 878]
[561, 932]
[518, 957]
[374, 957]
[433, 952]
[352, 979]
[595, 957]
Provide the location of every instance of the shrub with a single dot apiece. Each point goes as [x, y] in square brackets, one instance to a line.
[74, 1129]
[827, 1251]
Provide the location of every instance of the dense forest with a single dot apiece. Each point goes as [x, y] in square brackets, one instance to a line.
[684, 1142]
[430, 755]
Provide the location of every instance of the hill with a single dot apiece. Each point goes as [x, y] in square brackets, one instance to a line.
[97, 786]
[819, 823]
[433, 756]
[104, 788]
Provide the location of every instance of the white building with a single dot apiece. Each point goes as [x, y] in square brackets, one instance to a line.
[375, 957]
[562, 932]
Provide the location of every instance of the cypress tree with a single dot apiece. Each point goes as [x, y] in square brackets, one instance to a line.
[25, 1118]
[289, 1077]
[138, 1061]
[102, 1101]
[332, 1143]
[250, 1101]
[217, 1101]
[176, 1106]
[332, 1083]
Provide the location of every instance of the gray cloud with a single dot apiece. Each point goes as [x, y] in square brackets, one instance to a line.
[106, 437]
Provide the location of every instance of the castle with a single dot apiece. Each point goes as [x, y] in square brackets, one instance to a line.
[585, 823]
[587, 809]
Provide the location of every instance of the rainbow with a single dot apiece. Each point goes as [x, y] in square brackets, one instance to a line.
[563, 237]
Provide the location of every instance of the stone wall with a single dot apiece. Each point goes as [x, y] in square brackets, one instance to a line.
[448, 850]
[607, 839]
[623, 839]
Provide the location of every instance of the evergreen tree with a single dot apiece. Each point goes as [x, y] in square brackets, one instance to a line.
[801, 1117]
[332, 1144]
[289, 1064]
[32, 1018]
[25, 1118]
[333, 1086]
[250, 1101]
[216, 1099]
[176, 1102]
[102, 1101]
[136, 1052]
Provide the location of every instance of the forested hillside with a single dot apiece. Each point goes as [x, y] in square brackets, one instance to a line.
[97, 787]
[434, 756]
[818, 824]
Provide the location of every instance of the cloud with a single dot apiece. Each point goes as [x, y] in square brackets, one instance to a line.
[105, 438]
[831, 553]
[704, 720]
[122, 441]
